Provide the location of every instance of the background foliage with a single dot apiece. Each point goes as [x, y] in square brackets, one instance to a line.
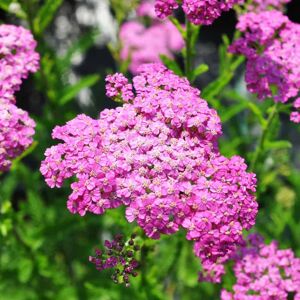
[44, 249]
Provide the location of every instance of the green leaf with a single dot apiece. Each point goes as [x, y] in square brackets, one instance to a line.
[71, 92]
[4, 4]
[12, 7]
[199, 70]
[231, 94]
[177, 24]
[25, 268]
[5, 207]
[278, 145]
[6, 226]
[27, 152]
[171, 64]
[215, 87]
[257, 112]
[195, 34]
[236, 63]
[187, 267]
[45, 15]
[225, 39]
[35, 206]
[233, 110]
[79, 46]
[223, 59]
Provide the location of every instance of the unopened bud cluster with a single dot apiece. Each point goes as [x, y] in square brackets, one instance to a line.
[119, 255]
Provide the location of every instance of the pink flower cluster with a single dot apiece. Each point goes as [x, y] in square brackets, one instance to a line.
[16, 131]
[143, 44]
[263, 5]
[269, 43]
[17, 59]
[198, 11]
[264, 272]
[158, 156]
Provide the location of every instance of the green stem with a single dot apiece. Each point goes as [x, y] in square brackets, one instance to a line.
[29, 14]
[144, 284]
[261, 144]
[172, 270]
[188, 58]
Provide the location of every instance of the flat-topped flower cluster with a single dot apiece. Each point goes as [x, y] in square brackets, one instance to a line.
[158, 156]
[16, 131]
[17, 59]
[198, 11]
[263, 5]
[270, 42]
[264, 272]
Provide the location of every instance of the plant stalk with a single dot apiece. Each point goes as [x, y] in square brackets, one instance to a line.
[261, 144]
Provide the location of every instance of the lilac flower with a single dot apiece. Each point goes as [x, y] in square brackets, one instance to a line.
[143, 44]
[269, 42]
[198, 11]
[158, 156]
[264, 272]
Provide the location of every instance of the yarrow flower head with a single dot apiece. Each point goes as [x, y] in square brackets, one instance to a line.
[141, 44]
[17, 58]
[269, 43]
[16, 131]
[120, 257]
[264, 272]
[158, 156]
[263, 5]
[198, 11]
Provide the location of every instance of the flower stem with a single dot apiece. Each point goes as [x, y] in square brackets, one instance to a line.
[145, 286]
[261, 144]
[188, 49]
